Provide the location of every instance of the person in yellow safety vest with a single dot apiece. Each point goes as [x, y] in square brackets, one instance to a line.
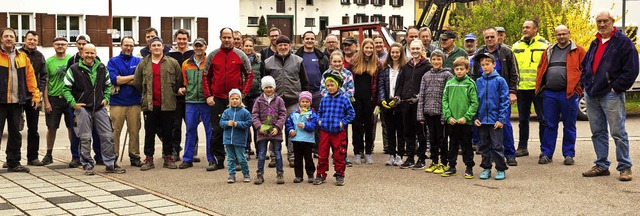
[528, 52]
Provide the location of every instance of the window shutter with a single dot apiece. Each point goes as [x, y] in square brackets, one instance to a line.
[203, 28]
[401, 3]
[143, 24]
[46, 27]
[166, 30]
[3, 20]
[97, 30]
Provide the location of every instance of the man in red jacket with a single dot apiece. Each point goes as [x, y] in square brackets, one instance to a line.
[226, 68]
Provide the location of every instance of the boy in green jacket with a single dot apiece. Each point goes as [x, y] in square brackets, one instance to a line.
[459, 106]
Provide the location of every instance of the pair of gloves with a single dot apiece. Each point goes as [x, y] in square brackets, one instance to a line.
[390, 103]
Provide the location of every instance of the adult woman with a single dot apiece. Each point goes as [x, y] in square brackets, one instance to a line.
[255, 59]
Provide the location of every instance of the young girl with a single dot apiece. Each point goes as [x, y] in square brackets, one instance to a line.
[386, 91]
[301, 125]
[269, 115]
[235, 121]
[365, 70]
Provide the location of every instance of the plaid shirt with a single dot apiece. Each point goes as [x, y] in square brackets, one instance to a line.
[333, 110]
[431, 90]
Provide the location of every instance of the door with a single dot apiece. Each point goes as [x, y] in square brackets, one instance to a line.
[324, 22]
[284, 24]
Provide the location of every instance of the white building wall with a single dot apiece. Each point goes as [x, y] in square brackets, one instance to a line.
[632, 16]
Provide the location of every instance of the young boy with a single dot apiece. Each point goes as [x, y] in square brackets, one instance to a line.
[459, 106]
[493, 110]
[334, 113]
[430, 112]
[302, 124]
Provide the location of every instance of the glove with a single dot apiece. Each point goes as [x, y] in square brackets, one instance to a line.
[376, 110]
[393, 102]
[384, 104]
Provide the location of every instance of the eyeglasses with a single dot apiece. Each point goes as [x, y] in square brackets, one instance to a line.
[490, 37]
[332, 42]
[129, 46]
[59, 44]
[274, 36]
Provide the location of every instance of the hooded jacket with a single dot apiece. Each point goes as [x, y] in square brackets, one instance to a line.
[310, 120]
[460, 99]
[574, 59]
[88, 85]
[27, 82]
[408, 83]
[236, 136]
[493, 99]
[431, 89]
[124, 65]
[261, 110]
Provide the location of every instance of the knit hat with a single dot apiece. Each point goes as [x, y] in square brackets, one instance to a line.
[235, 91]
[334, 76]
[154, 39]
[268, 81]
[306, 95]
[84, 37]
[283, 39]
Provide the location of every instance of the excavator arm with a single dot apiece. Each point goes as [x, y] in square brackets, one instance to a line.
[436, 22]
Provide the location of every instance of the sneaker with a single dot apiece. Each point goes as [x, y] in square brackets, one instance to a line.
[485, 174]
[625, 175]
[185, 165]
[596, 171]
[356, 159]
[115, 169]
[431, 168]
[136, 163]
[406, 164]
[279, 178]
[231, 179]
[568, 161]
[468, 174]
[544, 160]
[348, 162]
[246, 178]
[398, 161]
[319, 180]
[500, 175]
[297, 180]
[176, 156]
[89, 171]
[315, 155]
[339, 181]
[441, 168]
[148, 164]
[72, 164]
[247, 156]
[522, 152]
[213, 167]
[19, 168]
[259, 179]
[460, 151]
[390, 161]
[511, 161]
[310, 179]
[195, 159]
[35, 162]
[168, 162]
[450, 172]
[419, 165]
[272, 162]
[368, 159]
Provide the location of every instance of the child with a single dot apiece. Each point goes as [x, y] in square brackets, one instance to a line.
[430, 111]
[235, 121]
[334, 113]
[391, 113]
[269, 115]
[459, 106]
[493, 110]
[301, 125]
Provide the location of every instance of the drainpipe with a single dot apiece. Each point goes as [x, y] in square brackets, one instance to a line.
[110, 27]
[295, 21]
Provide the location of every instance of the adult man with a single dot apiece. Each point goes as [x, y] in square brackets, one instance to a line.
[609, 68]
[451, 51]
[18, 79]
[349, 48]
[150, 33]
[32, 113]
[54, 103]
[237, 39]
[87, 89]
[291, 78]
[330, 45]
[425, 37]
[81, 40]
[226, 68]
[381, 49]
[271, 50]
[528, 52]
[502, 34]
[558, 81]
[125, 99]
[315, 63]
[180, 53]
[412, 34]
[470, 44]
[506, 66]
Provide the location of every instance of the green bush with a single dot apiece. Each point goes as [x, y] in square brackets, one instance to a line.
[262, 27]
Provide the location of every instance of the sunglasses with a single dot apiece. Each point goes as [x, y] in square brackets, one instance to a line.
[489, 37]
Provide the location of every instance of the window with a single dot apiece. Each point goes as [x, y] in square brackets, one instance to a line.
[68, 26]
[397, 3]
[422, 4]
[377, 18]
[22, 23]
[377, 2]
[253, 21]
[181, 23]
[345, 19]
[395, 22]
[344, 2]
[360, 18]
[309, 2]
[280, 6]
[310, 22]
[360, 2]
[123, 27]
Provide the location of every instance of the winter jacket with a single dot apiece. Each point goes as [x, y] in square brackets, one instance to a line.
[528, 55]
[180, 57]
[226, 69]
[76, 58]
[618, 66]
[256, 86]
[371, 87]
[453, 55]
[26, 76]
[310, 120]
[508, 70]
[348, 87]
[38, 62]
[493, 99]
[574, 59]
[260, 113]
[290, 76]
[87, 84]
[236, 136]
[408, 83]
[124, 65]
[192, 80]
[384, 87]
[460, 99]
[170, 78]
[431, 90]
[333, 110]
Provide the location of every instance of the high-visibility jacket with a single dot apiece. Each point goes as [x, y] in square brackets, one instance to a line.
[528, 56]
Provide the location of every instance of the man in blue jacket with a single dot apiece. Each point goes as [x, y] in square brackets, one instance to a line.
[609, 68]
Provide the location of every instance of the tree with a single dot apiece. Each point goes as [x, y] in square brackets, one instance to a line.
[575, 15]
[262, 27]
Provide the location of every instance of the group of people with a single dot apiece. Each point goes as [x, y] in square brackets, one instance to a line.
[435, 98]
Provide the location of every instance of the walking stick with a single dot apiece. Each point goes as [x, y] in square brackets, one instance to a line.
[124, 144]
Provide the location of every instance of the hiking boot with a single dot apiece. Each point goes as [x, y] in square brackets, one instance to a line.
[35, 162]
[231, 179]
[368, 159]
[319, 180]
[279, 178]
[100, 162]
[185, 165]
[259, 179]
[292, 164]
[450, 172]
[419, 165]
[310, 178]
[272, 163]
[89, 171]
[441, 168]
[297, 180]
[315, 155]
[544, 160]
[339, 181]
[148, 164]
[348, 162]
[136, 163]
[356, 159]
[431, 168]
[459, 151]
[195, 159]
[19, 168]
[48, 159]
[213, 166]
[468, 174]
[568, 161]
[176, 156]
[511, 161]
[5, 165]
[625, 175]
[398, 161]
[115, 169]
[390, 161]
[246, 178]
[74, 164]
[522, 152]
[168, 162]
[500, 175]
[485, 174]
[596, 171]
[407, 164]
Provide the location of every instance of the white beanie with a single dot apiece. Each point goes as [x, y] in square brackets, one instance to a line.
[268, 81]
[235, 91]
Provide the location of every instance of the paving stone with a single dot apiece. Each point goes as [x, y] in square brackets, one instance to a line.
[156, 203]
[128, 192]
[107, 214]
[7, 184]
[10, 212]
[189, 213]
[147, 214]
[92, 193]
[35, 205]
[120, 187]
[171, 209]
[96, 179]
[46, 189]
[72, 184]
[59, 167]
[142, 198]
[66, 199]
[117, 204]
[37, 185]
[107, 198]
[47, 195]
[130, 210]
[88, 211]
[5, 206]
[18, 176]
[29, 199]
[109, 184]
[46, 174]
[22, 193]
[77, 205]
[14, 189]
[81, 188]
[48, 211]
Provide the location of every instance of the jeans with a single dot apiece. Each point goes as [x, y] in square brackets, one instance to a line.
[193, 114]
[556, 107]
[236, 153]
[262, 152]
[411, 129]
[608, 109]
[491, 147]
[525, 98]
[508, 142]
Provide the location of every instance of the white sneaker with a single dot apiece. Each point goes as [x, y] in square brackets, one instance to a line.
[356, 159]
[368, 159]
[398, 161]
[390, 161]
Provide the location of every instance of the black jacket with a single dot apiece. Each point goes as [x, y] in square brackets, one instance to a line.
[509, 67]
[84, 91]
[38, 62]
[408, 83]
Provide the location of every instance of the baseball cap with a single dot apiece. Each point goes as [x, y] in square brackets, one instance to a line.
[60, 38]
[200, 41]
[470, 36]
[479, 56]
[500, 29]
[84, 37]
[448, 35]
[350, 40]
